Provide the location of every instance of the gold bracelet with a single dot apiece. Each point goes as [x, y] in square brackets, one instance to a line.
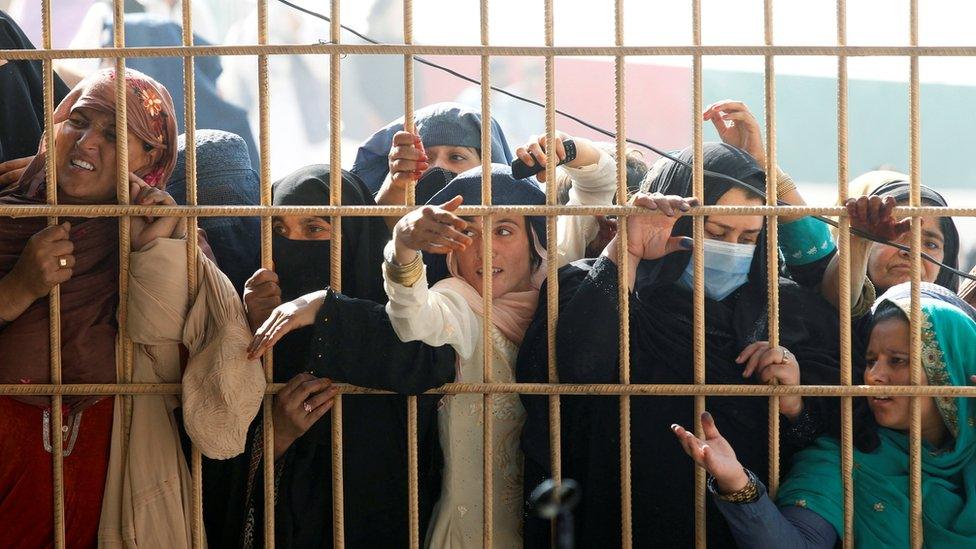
[784, 183]
[405, 275]
[747, 494]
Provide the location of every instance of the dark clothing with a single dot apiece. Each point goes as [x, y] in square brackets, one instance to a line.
[22, 90]
[761, 525]
[662, 351]
[351, 341]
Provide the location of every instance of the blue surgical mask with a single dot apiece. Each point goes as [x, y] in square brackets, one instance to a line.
[726, 268]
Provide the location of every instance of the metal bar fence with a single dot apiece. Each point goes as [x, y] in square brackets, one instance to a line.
[125, 389]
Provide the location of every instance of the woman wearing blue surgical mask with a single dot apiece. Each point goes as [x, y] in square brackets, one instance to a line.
[660, 281]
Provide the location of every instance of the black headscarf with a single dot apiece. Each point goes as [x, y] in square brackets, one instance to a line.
[351, 341]
[900, 190]
[661, 351]
[22, 90]
[305, 266]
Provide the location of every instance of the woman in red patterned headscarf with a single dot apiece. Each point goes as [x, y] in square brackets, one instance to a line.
[81, 256]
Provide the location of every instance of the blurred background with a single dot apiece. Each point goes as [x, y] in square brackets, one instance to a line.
[658, 89]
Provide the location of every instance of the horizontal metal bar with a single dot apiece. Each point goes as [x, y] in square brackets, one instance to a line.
[535, 389]
[537, 51]
[43, 210]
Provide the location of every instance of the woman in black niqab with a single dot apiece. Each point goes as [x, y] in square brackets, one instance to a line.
[351, 341]
[662, 351]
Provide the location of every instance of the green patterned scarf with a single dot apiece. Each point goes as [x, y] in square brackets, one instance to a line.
[881, 478]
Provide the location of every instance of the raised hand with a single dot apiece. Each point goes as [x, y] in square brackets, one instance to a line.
[297, 406]
[144, 230]
[407, 159]
[432, 229]
[774, 365]
[261, 295]
[714, 454]
[873, 214]
[738, 127]
[534, 152]
[649, 236]
[286, 317]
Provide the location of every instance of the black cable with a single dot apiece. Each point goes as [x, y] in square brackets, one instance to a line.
[608, 133]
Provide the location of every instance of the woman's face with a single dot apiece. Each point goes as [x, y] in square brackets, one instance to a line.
[300, 227]
[453, 159]
[888, 266]
[888, 363]
[510, 261]
[84, 157]
[735, 229]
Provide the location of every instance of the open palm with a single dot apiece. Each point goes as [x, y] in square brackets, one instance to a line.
[714, 453]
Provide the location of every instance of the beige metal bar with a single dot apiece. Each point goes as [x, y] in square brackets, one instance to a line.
[698, 266]
[487, 232]
[413, 493]
[264, 131]
[511, 51]
[189, 122]
[335, 251]
[844, 289]
[54, 301]
[623, 290]
[915, 159]
[387, 211]
[772, 240]
[602, 389]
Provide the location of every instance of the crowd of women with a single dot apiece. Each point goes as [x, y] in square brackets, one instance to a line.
[409, 316]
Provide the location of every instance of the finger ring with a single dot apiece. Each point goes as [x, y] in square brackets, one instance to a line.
[787, 355]
[307, 407]
[62, 262]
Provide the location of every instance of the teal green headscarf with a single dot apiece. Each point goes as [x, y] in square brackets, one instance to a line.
[881, 478]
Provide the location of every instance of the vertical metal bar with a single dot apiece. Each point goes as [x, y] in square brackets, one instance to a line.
[189, 122]
[335, 277]
[54, 302]
[123, 362]
[264, 118]
[772, 244]
[844, 289]
[413, 493]
[487, 223]
[408, 92]
[698, 258]
[623, 287]
[914, 157]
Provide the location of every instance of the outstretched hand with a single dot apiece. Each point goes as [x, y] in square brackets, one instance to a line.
[714, 454]
[434, 229]
[285, 318]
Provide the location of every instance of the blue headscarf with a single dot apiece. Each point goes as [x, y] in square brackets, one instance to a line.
[224, 178]
[505, 191]
[438, 124]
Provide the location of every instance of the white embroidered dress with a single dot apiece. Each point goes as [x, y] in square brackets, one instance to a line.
[438, 317]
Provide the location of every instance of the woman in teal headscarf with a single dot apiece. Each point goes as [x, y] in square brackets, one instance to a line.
[811, 500]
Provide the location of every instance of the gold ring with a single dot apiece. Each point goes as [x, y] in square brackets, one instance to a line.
[62, 262]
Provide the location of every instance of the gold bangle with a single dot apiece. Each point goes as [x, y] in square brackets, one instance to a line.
[405, 275]
[747, 494]
[784, 183]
